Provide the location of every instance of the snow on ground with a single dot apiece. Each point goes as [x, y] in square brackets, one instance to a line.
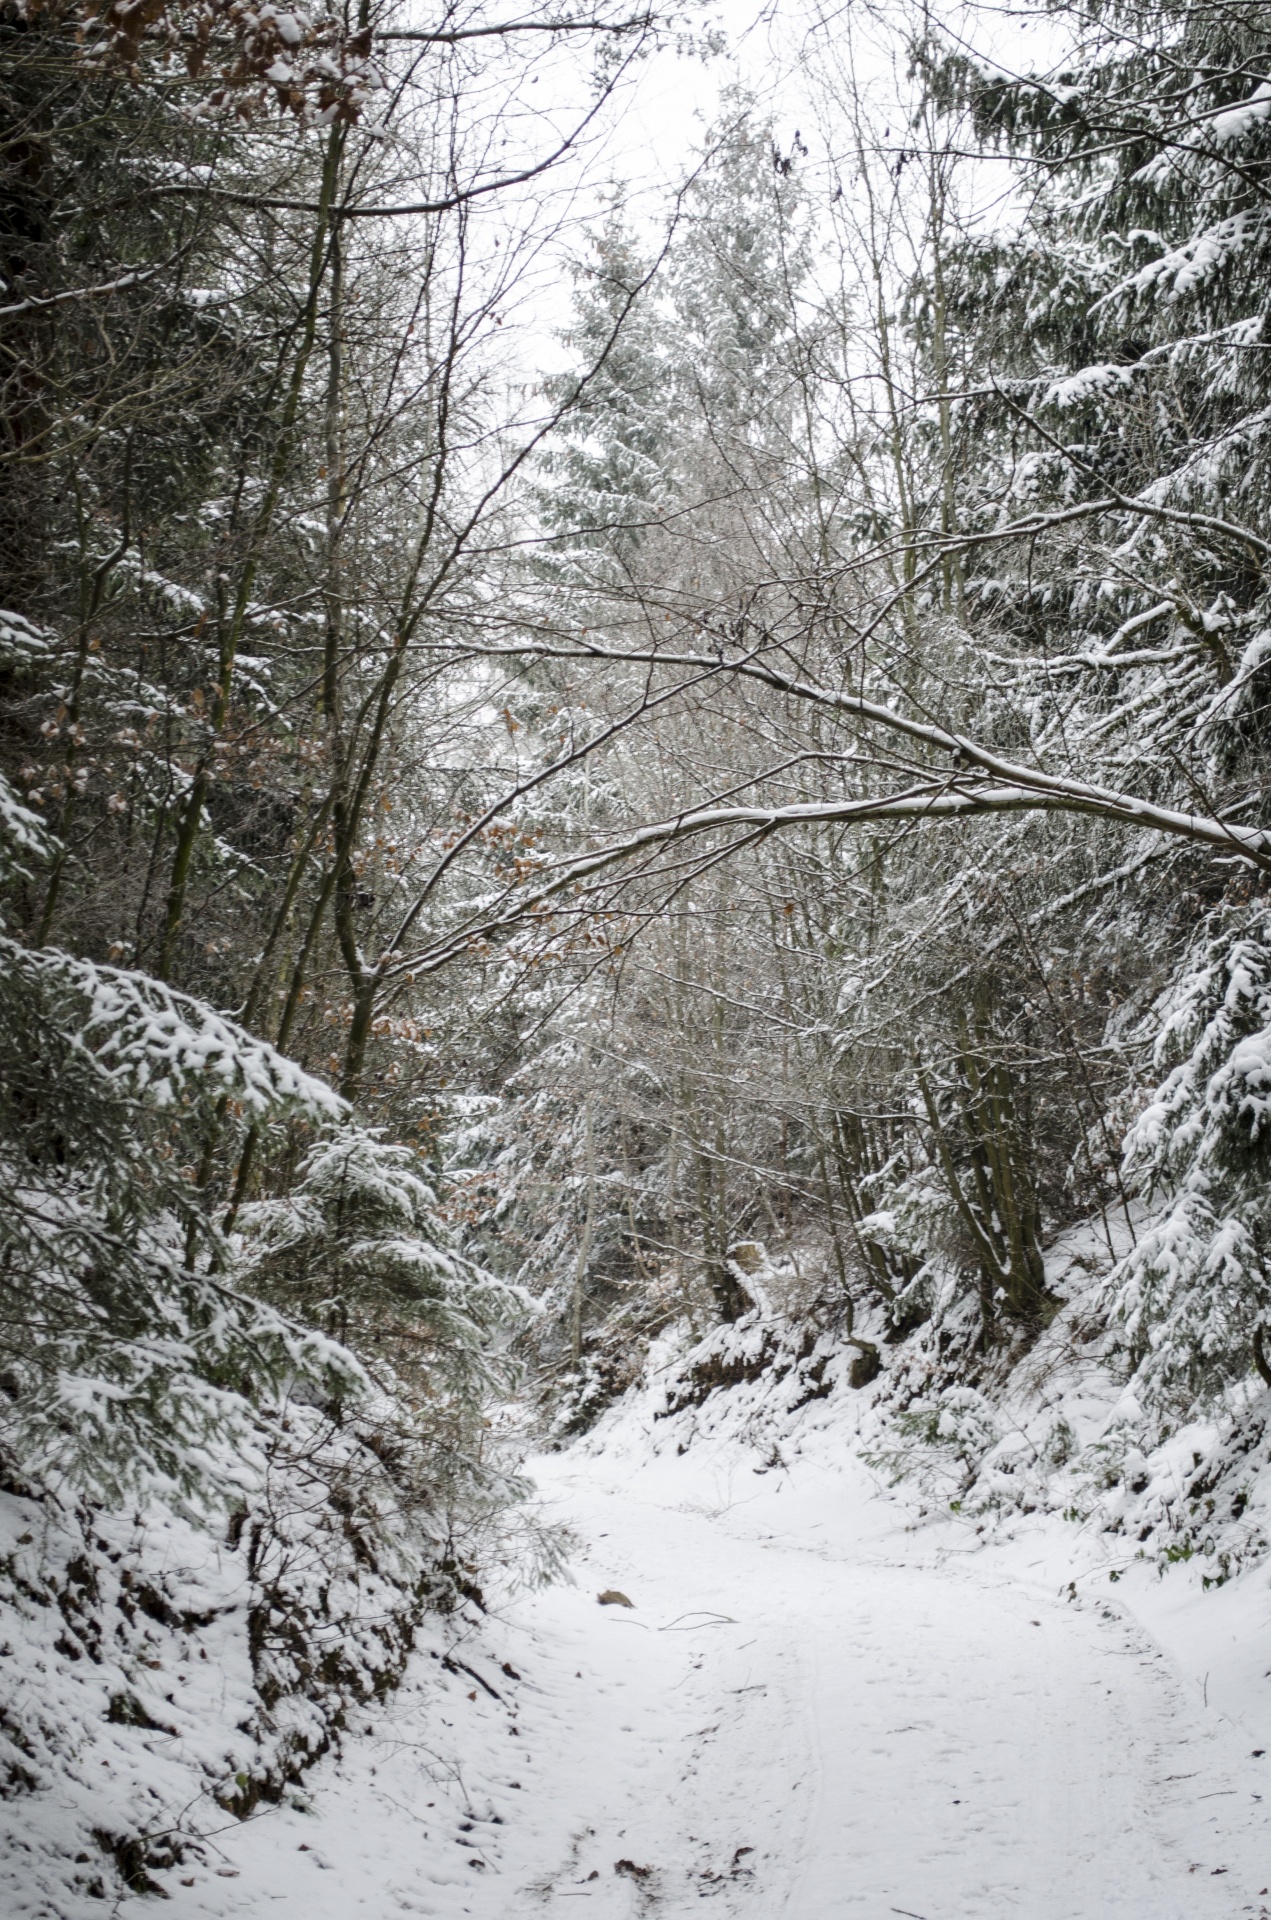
[810, 1710]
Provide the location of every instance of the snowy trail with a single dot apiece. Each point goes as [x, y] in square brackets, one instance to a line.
[808, 1713]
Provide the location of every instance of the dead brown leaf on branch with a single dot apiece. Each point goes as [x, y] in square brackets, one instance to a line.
[311, 62]
[307, 62]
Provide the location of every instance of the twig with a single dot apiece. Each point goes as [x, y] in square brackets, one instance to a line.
[461, 1666]
[698, 1619]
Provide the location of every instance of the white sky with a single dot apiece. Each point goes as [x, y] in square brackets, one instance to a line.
[656, 128]
[770, 49]
[651, 133]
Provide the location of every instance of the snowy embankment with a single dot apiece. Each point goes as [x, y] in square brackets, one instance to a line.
[160, 1678]
[812, 1708]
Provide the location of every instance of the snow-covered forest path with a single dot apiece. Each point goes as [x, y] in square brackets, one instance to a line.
[807, 1712]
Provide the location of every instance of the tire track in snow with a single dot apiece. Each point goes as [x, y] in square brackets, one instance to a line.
[805, 1715]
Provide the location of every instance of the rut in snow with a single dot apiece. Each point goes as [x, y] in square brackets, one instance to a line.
[807, 1712]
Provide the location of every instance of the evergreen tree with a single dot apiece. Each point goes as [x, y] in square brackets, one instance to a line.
[613, 472]
[1192, 1299]
[132, 1364]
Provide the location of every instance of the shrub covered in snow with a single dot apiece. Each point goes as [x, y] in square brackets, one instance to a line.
[159, 1674]
[235, 1469]
[1191, 1297]
[129, 1363]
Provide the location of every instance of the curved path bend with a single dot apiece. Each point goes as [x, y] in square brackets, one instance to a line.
[808, 1713]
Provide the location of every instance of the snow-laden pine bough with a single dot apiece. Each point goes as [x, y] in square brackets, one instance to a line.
[219, 1523]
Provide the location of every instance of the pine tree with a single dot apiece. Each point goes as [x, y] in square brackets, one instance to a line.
[1192, 1299]
[612, 473]
[132, 1364]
